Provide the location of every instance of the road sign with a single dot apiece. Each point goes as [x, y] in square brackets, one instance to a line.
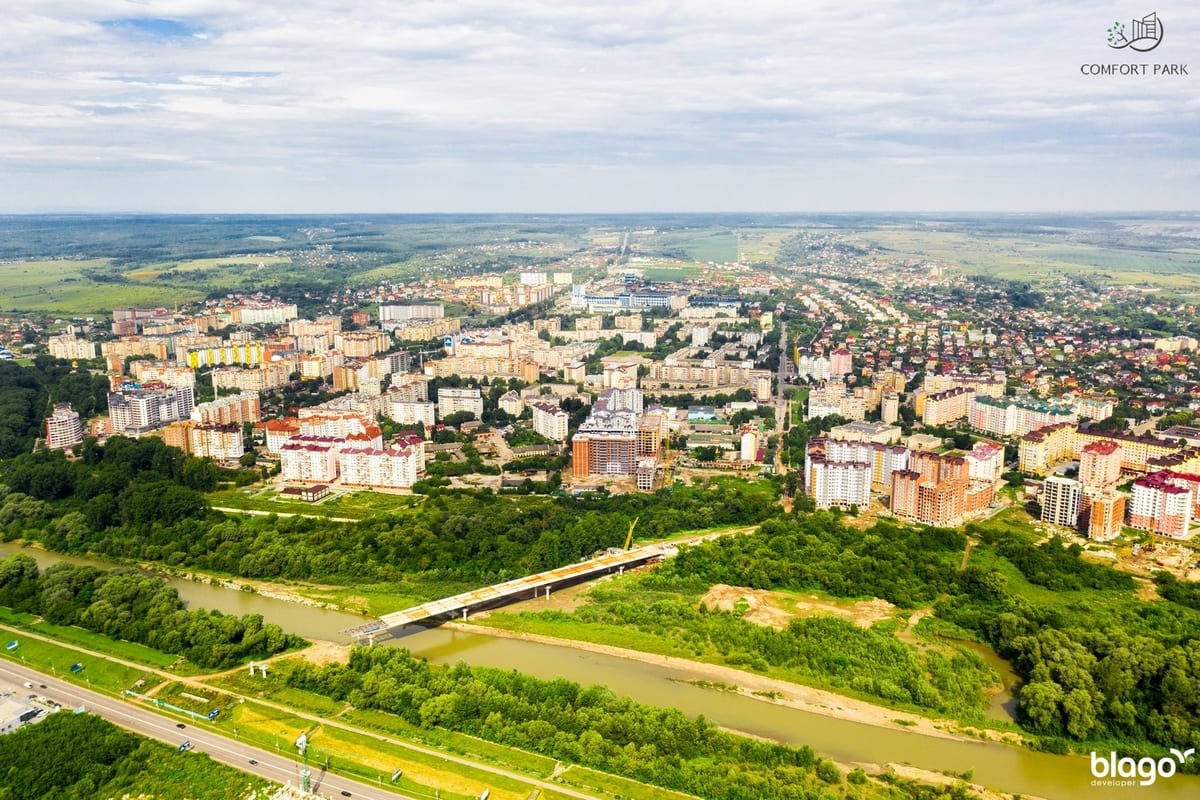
[76, 667]
[11, 645]
[213, 714]
[396, 775]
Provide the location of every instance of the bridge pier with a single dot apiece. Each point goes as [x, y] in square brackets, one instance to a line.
[464, 615]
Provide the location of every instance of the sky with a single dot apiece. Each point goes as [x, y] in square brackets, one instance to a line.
[542, 106]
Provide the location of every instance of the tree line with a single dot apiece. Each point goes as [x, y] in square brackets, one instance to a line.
[140, 500]
[1097, 662]
[575, 724]
[124, 604]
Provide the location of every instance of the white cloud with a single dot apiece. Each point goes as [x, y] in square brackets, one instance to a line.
[230, 90]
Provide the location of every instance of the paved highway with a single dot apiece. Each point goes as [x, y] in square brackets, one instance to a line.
[272, 766]
[543, 785]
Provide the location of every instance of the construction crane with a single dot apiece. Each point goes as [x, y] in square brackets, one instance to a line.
[629, 536]
[667, 462]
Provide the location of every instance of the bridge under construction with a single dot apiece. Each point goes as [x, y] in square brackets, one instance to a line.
[529, 587]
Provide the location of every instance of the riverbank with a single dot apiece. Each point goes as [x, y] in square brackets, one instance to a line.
[767, 690]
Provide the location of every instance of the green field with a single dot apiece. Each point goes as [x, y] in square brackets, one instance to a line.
[1043, 256]
[355, 505]
[97, 673]
[62, 287]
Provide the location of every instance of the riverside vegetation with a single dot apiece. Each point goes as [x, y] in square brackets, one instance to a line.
[124, 604]
[1098, 664]
[144, 501]
[593, 727]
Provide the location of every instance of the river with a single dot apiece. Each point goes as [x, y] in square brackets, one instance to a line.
[1003, 767]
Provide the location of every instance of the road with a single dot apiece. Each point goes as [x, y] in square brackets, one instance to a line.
[273, 766]
[529, 780]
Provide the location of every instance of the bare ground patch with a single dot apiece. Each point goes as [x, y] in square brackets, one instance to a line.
[777, 609]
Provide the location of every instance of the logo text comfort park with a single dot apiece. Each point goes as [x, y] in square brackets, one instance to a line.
[1141, 36]
[1113, 771]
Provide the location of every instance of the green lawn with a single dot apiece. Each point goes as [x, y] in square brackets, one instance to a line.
[61, 287]
[1036, 257]
[354, 505]
[97, 673]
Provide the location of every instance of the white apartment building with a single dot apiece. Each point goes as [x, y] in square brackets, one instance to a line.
[140, 410]
[451, 401]
[218, 442]
[550, 421]
[833, 483]
[68, 347]
[1060, 501]
[264, 313]
[230, 410]
[63, 428]
[396, 467]
[409, 412]
[308, 462]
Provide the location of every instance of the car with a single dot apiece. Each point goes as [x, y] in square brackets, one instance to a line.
[253, 763]
[41, 686]
[345, 793]
[180, 725]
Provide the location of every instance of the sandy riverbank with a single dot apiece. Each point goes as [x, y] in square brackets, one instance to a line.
[768, 690]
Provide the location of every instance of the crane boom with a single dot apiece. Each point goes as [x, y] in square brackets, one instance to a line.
[629, 536]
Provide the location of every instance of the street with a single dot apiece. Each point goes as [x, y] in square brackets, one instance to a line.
[273, 766]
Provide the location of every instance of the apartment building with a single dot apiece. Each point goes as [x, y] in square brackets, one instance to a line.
[947, 406]
[1004, 416]
[1061, 501]
[1038, 451]
[1162, 504]
[412, 412]
[838, 483]
[63, 428]
[137, 411]
[257, 379]
[396, 467]
[550, 421]
[162, 372]
[985, 462]
[1100, 464]
[230, 410]
[225, 354]
[307, 460]
[1103, 511]
[68, 347]
[451, 401]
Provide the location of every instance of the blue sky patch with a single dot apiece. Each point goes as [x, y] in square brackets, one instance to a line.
[154, 27]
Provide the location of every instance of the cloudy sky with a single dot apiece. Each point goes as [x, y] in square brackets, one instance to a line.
[606, 105]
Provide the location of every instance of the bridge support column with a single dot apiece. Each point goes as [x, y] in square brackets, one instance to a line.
[370, 639]
[547, 592]
[464, 615]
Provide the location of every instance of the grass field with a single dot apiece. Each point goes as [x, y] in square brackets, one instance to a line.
[668, 271]
[61, 287]
[97, 673]
[1040, 257]
[760, 245]
[355, 505]
[238, 268]
[420, 771]
[204, 778]
[366, 757]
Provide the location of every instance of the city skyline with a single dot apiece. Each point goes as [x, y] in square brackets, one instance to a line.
[230, 106]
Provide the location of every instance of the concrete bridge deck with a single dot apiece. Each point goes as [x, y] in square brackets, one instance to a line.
[521, 588]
